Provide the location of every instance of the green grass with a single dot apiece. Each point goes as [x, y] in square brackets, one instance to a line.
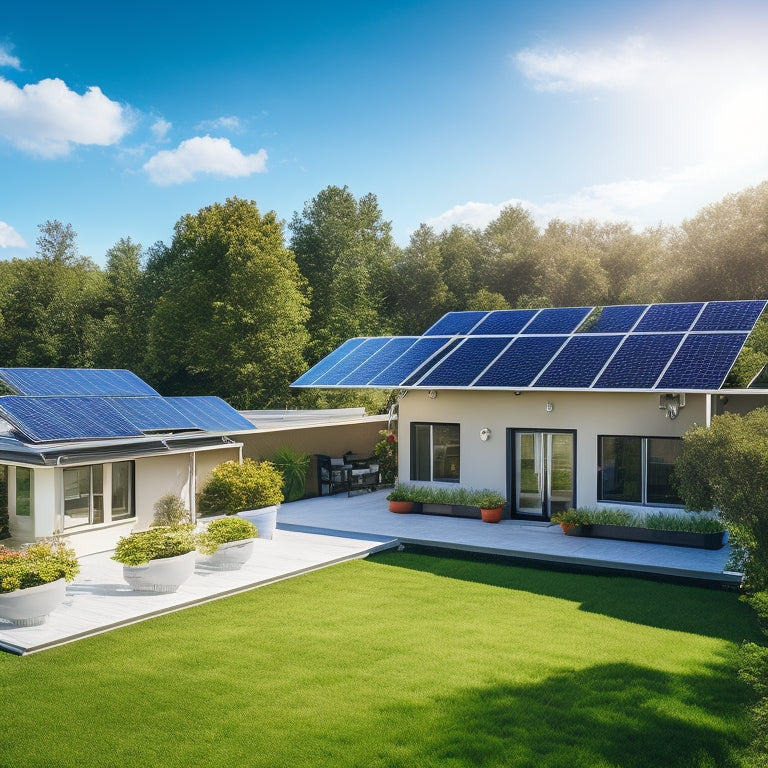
[402, 660]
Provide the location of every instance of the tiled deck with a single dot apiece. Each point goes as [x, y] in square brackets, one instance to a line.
[314, 533]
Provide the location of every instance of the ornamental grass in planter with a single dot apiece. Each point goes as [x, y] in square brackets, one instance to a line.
[32, 580]
[459, 502]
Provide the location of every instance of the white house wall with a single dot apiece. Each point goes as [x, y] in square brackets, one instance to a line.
[588, 414]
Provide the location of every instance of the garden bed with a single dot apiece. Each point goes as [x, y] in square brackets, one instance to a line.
[649, 535]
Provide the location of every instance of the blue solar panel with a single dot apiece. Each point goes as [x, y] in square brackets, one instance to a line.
[317, 370]
[579, 362]
[432, 362]
[151, 414]
[378, 361]
[558, 320]
[617, 319]
[465, 363]
[703, 361]
[455, 323]
[48, 419]
[729, 316]
[505, 322]
[669, 317]
[519, 365]
[395, 374]
[41, 382]
[639, 361]
[210, 413]
[350, 362]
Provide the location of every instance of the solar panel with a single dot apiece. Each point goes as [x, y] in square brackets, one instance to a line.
[729, 316]
[350, 362]
[669, 317]
[48, 419]
[377, 361]
[151, 414]
[465, 363]
[506, 322]
[557, 320]
[578, 362]
[639, 362]
[519, 365]
[327, 362]
[455, 323]
[40, 382]
[210, 413]
[617, 319]
[411, 360]
[703, 361]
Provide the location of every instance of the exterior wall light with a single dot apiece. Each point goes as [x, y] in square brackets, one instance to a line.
[432, 394]
[550, 407]
[485, 434]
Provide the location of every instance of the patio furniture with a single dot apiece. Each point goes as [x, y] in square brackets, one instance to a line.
[333, 475]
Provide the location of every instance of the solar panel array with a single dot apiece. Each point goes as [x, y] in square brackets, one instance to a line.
[73, 404]
[662, 347]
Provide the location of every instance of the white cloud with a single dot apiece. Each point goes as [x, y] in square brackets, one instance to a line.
[6, 60]
[48, 118]
[230, 123]
[10, 238]
[202, 154]
[160, 128]
[633, 62]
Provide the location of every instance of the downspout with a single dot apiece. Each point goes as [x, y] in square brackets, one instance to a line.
[192, 486]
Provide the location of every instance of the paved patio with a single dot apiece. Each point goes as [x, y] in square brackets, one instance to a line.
[316, 533]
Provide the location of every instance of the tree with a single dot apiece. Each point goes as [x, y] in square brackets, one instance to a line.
[231, 314]
[725, 467]
[57, 242]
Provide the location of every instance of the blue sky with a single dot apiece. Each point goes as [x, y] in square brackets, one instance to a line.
[120, 118]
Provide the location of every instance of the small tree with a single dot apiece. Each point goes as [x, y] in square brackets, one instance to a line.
[234, 487]
[725, 467]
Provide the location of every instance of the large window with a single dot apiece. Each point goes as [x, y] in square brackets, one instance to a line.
[23, 492]
[4, 529]
[637, 470]
[435, 452]
[84, 494]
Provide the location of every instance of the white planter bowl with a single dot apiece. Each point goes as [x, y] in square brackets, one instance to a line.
[164, 575]
[30, 607]
[230, 556]
[264, 519]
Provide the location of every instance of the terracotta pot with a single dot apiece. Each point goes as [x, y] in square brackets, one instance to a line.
[491, 515]
[401, 507]
[572, 529]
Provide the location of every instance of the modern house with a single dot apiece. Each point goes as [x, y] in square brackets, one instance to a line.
[555, 407]
[89, 452]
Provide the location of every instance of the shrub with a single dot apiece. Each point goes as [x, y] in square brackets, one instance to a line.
[170, 510]
[223, 530]
[234, 487]
[385, 452]
[155, 544]
[37, 564]
[293, 466]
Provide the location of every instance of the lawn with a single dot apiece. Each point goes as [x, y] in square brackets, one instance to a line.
[403, 659]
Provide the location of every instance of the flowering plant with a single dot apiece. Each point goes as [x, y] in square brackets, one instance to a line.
[385, 452]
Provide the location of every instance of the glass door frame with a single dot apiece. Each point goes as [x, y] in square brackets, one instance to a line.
[512, 489]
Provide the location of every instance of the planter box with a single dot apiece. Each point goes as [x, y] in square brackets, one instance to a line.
[451, 510]
[163, 576]
[230, 556]
[30, 607]
[264, 519]
[651, 535]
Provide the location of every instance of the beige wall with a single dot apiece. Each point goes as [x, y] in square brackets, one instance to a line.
[589, 414]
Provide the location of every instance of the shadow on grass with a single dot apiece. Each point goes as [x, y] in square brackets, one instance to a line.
[684, 608]
[609, 715]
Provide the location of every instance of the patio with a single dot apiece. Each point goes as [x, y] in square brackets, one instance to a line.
[319, 532]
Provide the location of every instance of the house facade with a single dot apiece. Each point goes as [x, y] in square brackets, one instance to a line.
[556, 408]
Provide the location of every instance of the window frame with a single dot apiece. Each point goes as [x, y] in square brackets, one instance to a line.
[100, 495]
[416, 467]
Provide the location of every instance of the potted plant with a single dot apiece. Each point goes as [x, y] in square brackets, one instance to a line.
[572, 521]
[32, 580]
[401, 498]
[227, 543]
[161, 558]
[491, 504]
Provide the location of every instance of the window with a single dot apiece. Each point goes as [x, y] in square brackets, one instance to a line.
[4, 529]
[435, 454]
[637, 470]
[122, 490]
[23, 492]
[84, 494]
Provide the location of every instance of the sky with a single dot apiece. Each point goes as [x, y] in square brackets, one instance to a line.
[121, 118]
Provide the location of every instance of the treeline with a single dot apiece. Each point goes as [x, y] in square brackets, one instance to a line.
[237, 306]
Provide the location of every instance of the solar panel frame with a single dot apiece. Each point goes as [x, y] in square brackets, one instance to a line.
[66, 382]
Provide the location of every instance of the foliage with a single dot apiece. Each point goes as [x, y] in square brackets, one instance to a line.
[660, 521]
[234, 487]
[37, 564]
[294, 466]
[170, 510]
[222, 530]
[572, 517]
[467, 497]
[158, 543]
[385, 452]
[724, 467]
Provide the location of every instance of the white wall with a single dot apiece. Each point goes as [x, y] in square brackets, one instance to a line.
[484, 464]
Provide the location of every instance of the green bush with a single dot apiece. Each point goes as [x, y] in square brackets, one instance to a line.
[294, 467]
[155, 544]
[170, 510]
[37, 564]
[234, 487]
[222, 530]
[385, 452]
